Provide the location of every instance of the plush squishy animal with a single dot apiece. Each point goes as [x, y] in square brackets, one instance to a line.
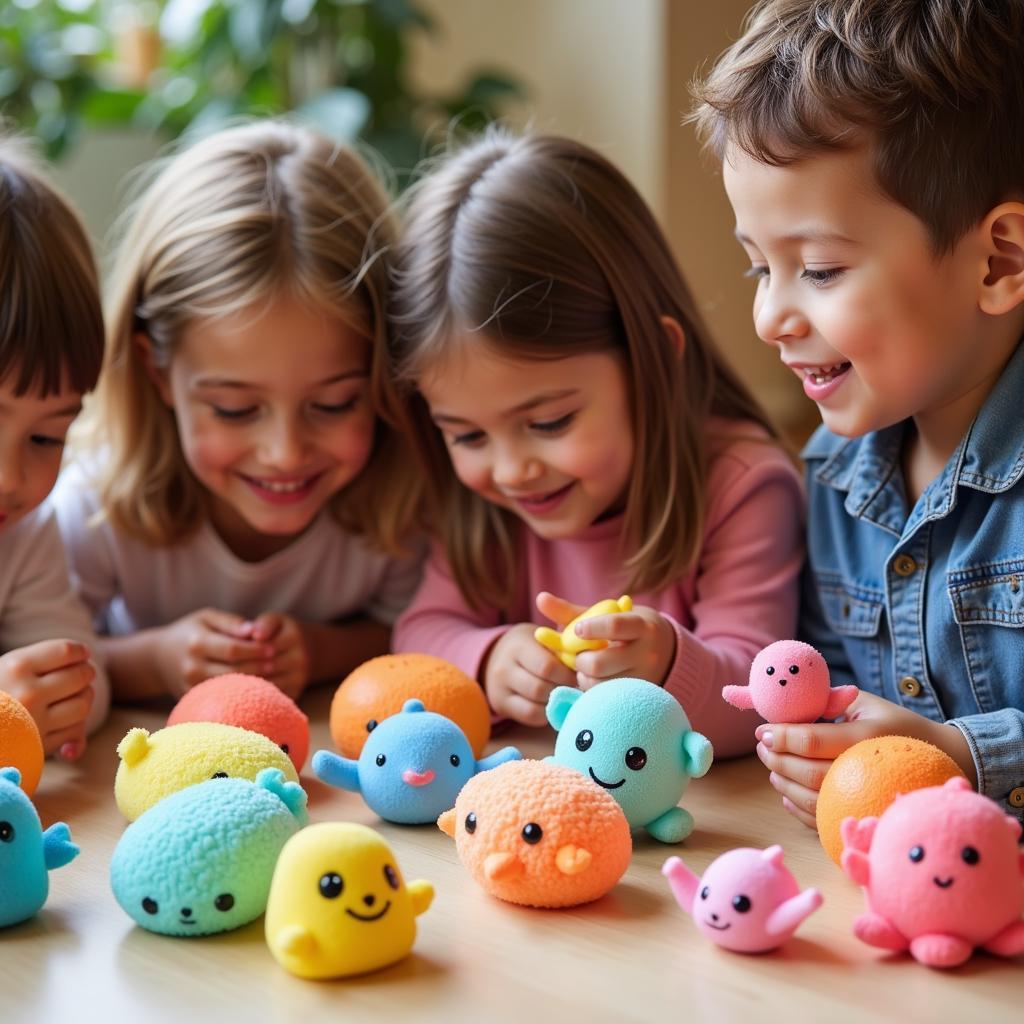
[201, 860]
[249, 703]
[339, 905]
[566, 645]
[154, 766]
[27, 853]
[789, 682]
[747, 900]
[943, 874]
[411, 767]
[539, 834]
[635, 741]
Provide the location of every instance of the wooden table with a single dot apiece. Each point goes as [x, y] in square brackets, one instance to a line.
[631, 956]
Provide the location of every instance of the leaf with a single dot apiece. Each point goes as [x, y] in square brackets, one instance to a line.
[341, 113]
[111, 106]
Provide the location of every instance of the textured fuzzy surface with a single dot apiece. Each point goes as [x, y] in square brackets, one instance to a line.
[411, 767]
[21, 746]
[378, 688]
[599, 729]
[339, 904]
[584, 843]
[249, 703]
[220, 838]
[566, 644]
[154, 766]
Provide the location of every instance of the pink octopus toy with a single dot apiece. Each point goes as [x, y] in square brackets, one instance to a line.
[789, 682]
[942, 873]
[746, 901]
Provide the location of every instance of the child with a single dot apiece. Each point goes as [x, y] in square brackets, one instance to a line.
[585, 440]
[249, 489]
[873, 153]
[51, 347]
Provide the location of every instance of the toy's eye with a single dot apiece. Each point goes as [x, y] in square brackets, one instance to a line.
[741, 903]
[149, 905]
[916, 854]
[794, 670]
[224, 902]
[6, 832]
[584, 740]
[970, 855]
[284, 747]
[705, 893]
[471, 823]
[371, 725]
[455, 760]
[331, 886]
[381, 759]
[636, 758]
[532, 833]
[391, 875]
[770, 670]
[219, 775]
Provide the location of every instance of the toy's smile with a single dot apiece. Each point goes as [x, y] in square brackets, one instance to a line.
[718, 927]
[943, 883]
[606, 785]
[369, 917]
[185, 920]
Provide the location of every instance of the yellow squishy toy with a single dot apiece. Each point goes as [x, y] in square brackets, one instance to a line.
[154, 766]
[566, 645]
[338, 904]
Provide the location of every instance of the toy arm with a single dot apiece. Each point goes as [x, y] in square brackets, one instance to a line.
[787, 916]
[839, 699]
[682, 881]
[336, 771]
[58, 849]
[548, 638]
[738, 697]
[498, 757]
[421, 894]
[697, 754]
[856, 836]
[296, 941]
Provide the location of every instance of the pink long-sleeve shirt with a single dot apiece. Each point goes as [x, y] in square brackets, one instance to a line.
[741, 597]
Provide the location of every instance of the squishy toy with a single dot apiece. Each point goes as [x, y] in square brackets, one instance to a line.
[154, 766]
[539, 834]
[865, 778]
[943, 874]
[412, 766]
[201, 860]
[21, 746]
[635, 741]
[380, 687]
[566, 645]
[339, 905]
[27, 853]
[789, 682]
[747, 900]
[249, 703]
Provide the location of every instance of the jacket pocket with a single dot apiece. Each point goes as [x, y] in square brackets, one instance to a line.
[850, 610]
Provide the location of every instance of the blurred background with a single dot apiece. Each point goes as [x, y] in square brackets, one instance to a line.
[105, 85]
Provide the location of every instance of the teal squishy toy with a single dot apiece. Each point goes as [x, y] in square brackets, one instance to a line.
[412, 766]
[201, 860]
[634, 740]
[27, 853]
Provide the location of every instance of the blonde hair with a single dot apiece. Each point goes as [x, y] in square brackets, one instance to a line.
[251, 212]
[538, 247]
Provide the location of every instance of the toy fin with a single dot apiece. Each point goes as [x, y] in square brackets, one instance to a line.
[58, 849]
[786, 917]
[682, 881]
[291, 794]
[498, 757]
[421, 894]
[573, 860]
[336, 771]
[739, 697]
[295, 941]
[839, 699]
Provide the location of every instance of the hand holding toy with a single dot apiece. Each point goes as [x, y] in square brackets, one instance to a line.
[565, 645]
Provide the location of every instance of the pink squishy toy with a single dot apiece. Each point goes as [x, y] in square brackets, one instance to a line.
[789, 682]
[747, 900]
[942, 873]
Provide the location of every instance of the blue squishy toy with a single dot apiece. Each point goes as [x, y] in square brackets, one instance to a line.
[27, 853]
[200, 861]
[412, 766]
[634, 740]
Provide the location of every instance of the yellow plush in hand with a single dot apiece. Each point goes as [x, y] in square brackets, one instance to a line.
[338, 904]
[566, 645]
[154, 766]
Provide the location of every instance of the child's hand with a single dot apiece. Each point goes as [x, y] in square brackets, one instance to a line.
[520, 675]
[288, 667]
[799, 756]
[53, 680]
[642, 642]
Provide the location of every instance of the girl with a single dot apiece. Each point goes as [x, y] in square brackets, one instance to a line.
[251, 495]
[583, 439]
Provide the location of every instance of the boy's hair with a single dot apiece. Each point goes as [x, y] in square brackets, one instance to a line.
[245, 215]
[51, 318]
[936, 87]
[538, 248]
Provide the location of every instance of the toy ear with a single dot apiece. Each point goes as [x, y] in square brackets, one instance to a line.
[446, 823]
[560, 703]
[11, 775]
[697, 753]
[857, 834]
[773, 855]
[958, 782]
[134, 747]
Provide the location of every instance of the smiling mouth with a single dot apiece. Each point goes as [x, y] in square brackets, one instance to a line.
[185, 920]
[718, 927]
[943, 883]
[824, 374]
[605, 785]
[369, 917]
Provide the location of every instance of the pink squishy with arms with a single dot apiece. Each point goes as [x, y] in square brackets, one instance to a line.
[943, 874]
[747, 900]
[789, 682]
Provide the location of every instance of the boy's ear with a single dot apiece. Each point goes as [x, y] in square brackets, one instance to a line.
[676, 335]
[143, 345]
[1002, 289]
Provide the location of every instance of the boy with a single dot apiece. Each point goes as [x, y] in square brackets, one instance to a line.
[873, 153]
[51, 348]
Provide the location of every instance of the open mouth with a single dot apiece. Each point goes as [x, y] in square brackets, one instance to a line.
[718, 927]
[821, 375]
[282, 491]
[943, 883]
[602, 783]
[369, 917]
[539, 503]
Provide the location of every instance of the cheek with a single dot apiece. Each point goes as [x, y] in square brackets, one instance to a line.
[209, 446]
[472, 469]
[353, 441]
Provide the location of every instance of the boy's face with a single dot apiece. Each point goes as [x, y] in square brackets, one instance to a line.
[876, 325]
[32, 432]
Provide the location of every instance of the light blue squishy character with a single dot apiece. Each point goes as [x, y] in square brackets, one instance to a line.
[201, 860]
[27, 853]
[634, 740]
[412, 766]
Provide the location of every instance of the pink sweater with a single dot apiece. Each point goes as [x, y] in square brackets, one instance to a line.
[741, 597]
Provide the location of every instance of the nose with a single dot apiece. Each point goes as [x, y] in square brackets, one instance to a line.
[369, 899]
[776, 316]
[515, 466]
[714, 917]
[284, 445]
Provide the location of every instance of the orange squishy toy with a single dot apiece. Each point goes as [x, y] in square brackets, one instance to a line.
[21, 746]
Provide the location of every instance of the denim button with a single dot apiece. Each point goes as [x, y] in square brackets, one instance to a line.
[910, 686]
[1016, 797]
[904, 565]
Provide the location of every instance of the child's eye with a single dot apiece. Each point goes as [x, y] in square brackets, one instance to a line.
[45, 441]
[822, 277]
[756, 272]
[233, 414]
[335, 409]
[554, 426]
[472, 438]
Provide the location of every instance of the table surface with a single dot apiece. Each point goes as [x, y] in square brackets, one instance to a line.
[631, 956]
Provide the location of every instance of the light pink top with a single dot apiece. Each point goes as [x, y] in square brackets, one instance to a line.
[741, 597]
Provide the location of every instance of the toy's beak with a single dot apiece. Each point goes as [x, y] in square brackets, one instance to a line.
[572, 860]
[417, 778]
[446, 822]
[501, 865]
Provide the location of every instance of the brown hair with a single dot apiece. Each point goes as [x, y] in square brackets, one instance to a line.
[541, 249]
[51, 320]
[935, 86]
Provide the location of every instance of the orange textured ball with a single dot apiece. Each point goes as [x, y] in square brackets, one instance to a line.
[379, 687]
[865, 778]
[21, 746]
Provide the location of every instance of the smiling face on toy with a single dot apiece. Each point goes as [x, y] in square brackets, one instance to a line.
[789, 682]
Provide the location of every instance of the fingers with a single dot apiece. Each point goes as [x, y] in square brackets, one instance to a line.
[222, 622]
[623, 626]
[808, 772]
[801, 803]
[521, 709]
[64, 683]
[46, 656]
[65, 722]
[71, 740]
[266, 626]
[824, 740]
[559, 611]
[228, 650]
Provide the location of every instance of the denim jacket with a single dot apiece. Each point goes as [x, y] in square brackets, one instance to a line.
[925, 605]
